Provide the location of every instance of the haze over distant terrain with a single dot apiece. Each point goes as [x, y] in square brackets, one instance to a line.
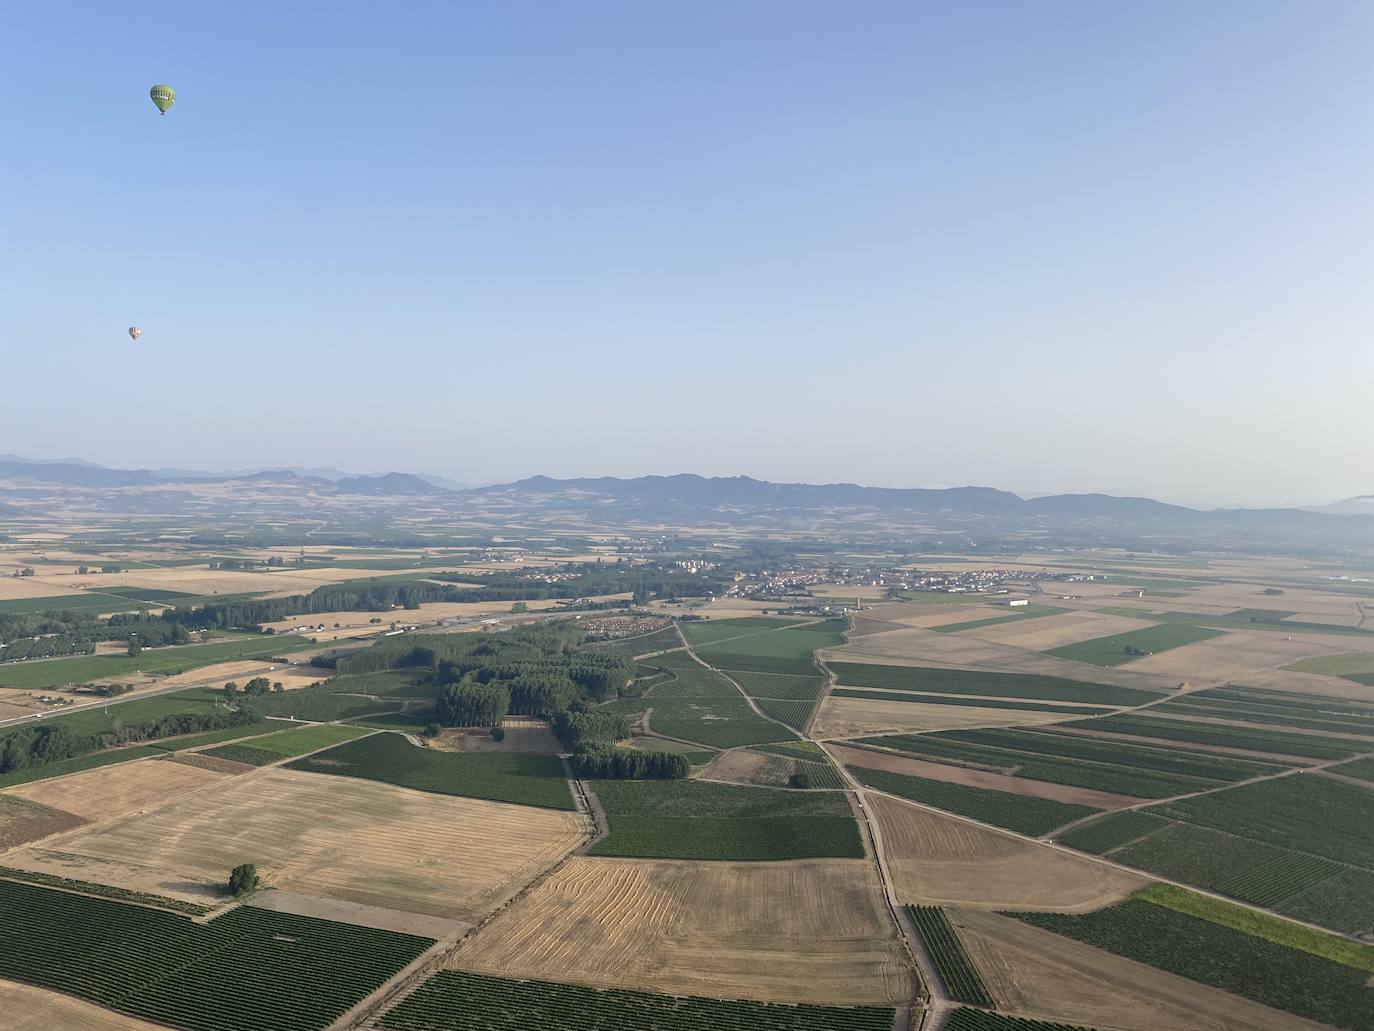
[1062, 246]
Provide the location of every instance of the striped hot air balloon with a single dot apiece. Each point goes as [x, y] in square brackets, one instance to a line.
[135, 332]
[163, 96]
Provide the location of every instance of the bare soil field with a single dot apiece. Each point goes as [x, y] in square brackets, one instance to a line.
[979, 778]
[15, 704]
[743, 766]
[112, 791]
[36, 1009]
[1042, 975]
[354, 840]
[279, 901]
[857, 717]
[940, 860]
[1046, 632]
[522, 735]
[23, 821]
[815, 931]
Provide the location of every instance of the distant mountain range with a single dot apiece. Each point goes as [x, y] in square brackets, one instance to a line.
[1362, 505]
[702, 500]
[74, 472]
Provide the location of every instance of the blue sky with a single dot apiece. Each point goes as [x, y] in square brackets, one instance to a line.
[1042, 246]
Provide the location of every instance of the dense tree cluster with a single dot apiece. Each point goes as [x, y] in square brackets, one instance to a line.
[584, 729]
[50, 742]
[471, 704]
[606, 762]
[46, 635]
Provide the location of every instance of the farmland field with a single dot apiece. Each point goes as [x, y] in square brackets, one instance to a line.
[521, 777]
[789, 710]
[693, 681]
[1249, 965]
[96, 603]
[814, 931]
[695, 820]
[454, 1000]
[1310, 813]
[329, 837]
[704, 632]
[1241, 868]
[1252, 739]
[980, 1020]
[658, 641]
[937, 859]
[1343, 902]
[1111, 831]
[1008, 616]
[49, 673]
[286, 745]
[951, 961]
[913, 698]
[165, 968]
[93, 761]
[1100, 776]
[988, 685]
[725, 722]
[1112, 650]
[999, 808]
[778, 685]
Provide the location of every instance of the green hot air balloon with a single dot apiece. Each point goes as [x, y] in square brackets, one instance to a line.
[163, 96]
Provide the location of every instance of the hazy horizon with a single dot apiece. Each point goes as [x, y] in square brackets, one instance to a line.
[1062, 247]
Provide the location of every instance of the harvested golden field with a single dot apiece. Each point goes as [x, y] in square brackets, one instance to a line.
[814, 931]
[36, 1009]
[354, 840]
[1047, 977]
[1310, 683]
[871, 760]
[939, 860]
[1045, 632]
[187, 579]
[848, 592]
[931, 614]
[854, 717]
[15, 587]
[112, 791]
[1232, 656]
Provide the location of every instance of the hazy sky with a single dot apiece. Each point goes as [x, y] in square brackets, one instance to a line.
[1037, 245]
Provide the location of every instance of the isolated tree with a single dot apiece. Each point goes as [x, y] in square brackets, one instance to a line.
[135, 649]
[243, 879]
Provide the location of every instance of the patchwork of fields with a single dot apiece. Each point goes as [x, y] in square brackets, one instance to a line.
[1025, 779]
